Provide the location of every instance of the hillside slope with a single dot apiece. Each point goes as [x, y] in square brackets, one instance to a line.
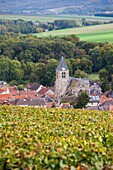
[55, 6]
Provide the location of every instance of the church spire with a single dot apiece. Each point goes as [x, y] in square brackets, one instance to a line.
[62, 65]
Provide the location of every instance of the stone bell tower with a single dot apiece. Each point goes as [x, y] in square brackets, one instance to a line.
[62, 79]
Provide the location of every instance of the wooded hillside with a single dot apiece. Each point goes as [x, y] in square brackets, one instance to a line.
[65, 6]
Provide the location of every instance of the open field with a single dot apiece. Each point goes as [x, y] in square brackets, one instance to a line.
[53, 17]
[55, 139]
[99, 33]
[94, 76]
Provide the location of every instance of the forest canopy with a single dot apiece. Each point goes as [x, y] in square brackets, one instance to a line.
[26, 58]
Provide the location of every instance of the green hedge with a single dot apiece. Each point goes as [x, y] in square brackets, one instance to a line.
[46, 139]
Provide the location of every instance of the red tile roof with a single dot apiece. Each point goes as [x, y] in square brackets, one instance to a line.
[111, 108]
[65, 105]
[4, 97]
[2, 90]
[49, 104]
[104, 98]
[50, 95]
[28, 86]
[42, 91]
[13, 90]
[19, 97]
[31, 94]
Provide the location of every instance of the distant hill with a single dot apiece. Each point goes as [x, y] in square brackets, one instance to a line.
[86, 7]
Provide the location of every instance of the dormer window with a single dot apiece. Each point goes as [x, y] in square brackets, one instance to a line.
[63, 75]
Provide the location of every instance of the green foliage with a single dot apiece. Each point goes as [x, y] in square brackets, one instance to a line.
[104, 78]
[61, 24]
[94, 77]
[20, 87]
[80, 74]
[32, 59]
[81, 101]
[99, 33]
[64, 101]
[55, 139]
[26, 27]
[17, 26]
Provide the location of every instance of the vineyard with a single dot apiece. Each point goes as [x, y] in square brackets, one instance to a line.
[55, 139]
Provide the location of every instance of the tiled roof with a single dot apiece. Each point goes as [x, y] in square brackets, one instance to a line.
[2, 90]
[35, 86]
[42, 91]
[111, 108]
[50, 95]
[49, 104]
[48, 99]
[13, 101]
[30, 94]
[13, 90]
[49, 92]
[104, 98]
[19, 97]
[106, 105]
[65, 105]
[5, 96]
[28, 86]
[32, 102]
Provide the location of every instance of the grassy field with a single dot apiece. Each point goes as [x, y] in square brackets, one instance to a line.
[99, 33]
[94, 76]
[53, 17]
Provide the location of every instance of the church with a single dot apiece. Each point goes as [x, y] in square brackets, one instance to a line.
[65, 85]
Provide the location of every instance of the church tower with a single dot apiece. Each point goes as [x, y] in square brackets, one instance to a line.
[62, 78]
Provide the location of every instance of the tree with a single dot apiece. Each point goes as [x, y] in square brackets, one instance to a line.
[104, 78]
[95, 58]
[81, 100]
[81, 74]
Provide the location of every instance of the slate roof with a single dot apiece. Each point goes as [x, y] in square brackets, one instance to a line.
[106, 105]
[84, 80]
[35, 86]
[62, 64]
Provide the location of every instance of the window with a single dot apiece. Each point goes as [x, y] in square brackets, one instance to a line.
[63, 75]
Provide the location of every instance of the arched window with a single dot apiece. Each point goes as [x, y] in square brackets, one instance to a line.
[63, 75]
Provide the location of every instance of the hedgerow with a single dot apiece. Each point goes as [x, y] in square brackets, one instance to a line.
[55, 139]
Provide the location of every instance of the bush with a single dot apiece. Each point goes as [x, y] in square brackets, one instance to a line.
[20, 87]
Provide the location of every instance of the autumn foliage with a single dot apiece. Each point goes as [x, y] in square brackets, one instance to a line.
[55, 139]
